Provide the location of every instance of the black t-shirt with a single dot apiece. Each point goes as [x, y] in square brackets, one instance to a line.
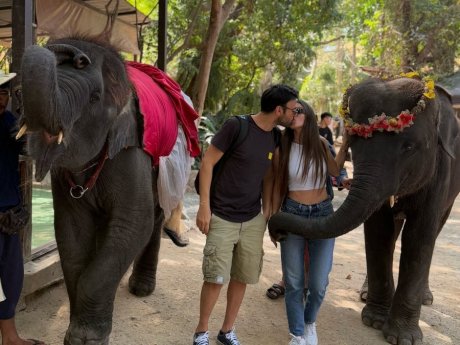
[327, 133]
[10, 148]
[237, 192]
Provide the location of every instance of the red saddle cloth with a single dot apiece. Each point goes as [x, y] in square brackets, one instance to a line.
[163, 107]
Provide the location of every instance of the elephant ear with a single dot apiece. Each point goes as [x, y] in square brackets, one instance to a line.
[448, 124]
[123, 132]
[119, 103]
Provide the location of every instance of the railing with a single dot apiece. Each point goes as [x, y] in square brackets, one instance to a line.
[25, 169]
[42, 266]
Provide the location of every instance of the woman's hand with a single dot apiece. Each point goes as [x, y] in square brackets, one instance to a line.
[346, 183]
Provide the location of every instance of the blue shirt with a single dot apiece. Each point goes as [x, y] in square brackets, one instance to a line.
[10, 148]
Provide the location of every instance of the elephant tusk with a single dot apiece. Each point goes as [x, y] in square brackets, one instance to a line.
[60, 137]
[21, 132]
[392, 201]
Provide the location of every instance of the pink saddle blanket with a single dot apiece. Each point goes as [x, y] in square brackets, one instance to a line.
[163, 107]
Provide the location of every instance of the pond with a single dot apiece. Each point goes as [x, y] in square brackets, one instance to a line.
[42, 217]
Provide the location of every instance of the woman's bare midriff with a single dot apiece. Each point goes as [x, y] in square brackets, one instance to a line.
[308, 197]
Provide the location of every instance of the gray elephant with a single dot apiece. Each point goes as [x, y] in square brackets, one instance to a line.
[84, 125]
[412, 158]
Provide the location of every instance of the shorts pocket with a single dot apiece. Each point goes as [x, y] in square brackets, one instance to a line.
[209, 261]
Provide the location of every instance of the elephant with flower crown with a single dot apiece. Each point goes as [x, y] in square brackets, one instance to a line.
[405, 142]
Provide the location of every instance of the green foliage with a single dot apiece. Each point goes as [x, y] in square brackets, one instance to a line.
[424, 35]
[296, 42]
[145, 6]
[260, 35]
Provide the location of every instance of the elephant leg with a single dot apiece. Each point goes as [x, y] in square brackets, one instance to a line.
[418, 240]
[76, 245]
[398, 223]
[91, 320]
[380, 237]
[364, 289]
[427, 294]
[142, 281]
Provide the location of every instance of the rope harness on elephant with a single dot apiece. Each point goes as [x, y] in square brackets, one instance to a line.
[77, 191]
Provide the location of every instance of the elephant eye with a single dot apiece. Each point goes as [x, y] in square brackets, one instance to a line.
[408, 146]
[95, 97]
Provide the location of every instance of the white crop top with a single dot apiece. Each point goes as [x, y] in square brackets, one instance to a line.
[295, 173]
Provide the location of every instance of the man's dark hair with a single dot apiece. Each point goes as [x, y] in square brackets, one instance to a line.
[326, 114]
[277, 95]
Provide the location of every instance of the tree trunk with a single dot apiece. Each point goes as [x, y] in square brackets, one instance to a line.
[219, 15]
[353, 62]
[407, 58]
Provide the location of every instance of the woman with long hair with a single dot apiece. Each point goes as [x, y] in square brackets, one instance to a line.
[303, 164]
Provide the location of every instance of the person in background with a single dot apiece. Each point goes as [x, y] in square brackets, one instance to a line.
[338, 126]
[324, 127]
[302, 166]
[11, 262]
[231, 217]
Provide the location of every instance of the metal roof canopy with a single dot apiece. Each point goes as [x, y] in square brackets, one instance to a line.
[126, 14]
[18, 23]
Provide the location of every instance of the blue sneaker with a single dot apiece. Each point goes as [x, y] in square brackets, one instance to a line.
[201, 338]
[228, 338]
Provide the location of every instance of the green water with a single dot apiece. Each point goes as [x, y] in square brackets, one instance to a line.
[42, 217]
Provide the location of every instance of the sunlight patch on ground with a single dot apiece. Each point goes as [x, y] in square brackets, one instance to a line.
[357, 307]
[439, 337]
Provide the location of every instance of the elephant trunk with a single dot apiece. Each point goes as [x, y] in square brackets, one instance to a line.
[40, 90]
[362, 200]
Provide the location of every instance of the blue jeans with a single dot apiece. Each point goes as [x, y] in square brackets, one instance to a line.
[11, 273]
[292, 259]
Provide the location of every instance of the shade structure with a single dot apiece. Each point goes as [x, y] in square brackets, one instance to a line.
[61, 18]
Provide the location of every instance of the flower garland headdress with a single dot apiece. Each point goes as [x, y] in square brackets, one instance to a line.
[384, 122]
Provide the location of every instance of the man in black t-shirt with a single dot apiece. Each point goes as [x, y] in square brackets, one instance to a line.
[324, 130]
[232, 220]
[11, 262]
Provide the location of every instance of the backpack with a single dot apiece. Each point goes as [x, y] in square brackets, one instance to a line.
[242, 134]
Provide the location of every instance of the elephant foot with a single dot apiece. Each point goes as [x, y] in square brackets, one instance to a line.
[374, 316]
[427, 297]
[78, 334]
[140, 286]
[397, 334]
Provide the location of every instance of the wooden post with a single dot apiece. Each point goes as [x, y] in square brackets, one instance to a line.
[162, 39]
[22, 33]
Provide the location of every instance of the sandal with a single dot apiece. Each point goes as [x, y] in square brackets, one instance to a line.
[275, 291]
[174, 236]
[36, 342]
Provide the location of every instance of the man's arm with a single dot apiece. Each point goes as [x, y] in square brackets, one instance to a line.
[267, 193]
[210, 159]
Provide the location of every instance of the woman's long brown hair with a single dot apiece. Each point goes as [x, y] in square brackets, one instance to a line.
[313, 150]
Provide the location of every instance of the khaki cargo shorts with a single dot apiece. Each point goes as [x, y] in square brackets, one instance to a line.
[234, 250]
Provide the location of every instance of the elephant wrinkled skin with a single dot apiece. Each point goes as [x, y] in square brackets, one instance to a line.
[83, 126]
[421, 167]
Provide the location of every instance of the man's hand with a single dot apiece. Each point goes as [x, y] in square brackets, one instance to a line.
[203, 218]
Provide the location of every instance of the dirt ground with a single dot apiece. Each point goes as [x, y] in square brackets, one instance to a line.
[169, 316]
